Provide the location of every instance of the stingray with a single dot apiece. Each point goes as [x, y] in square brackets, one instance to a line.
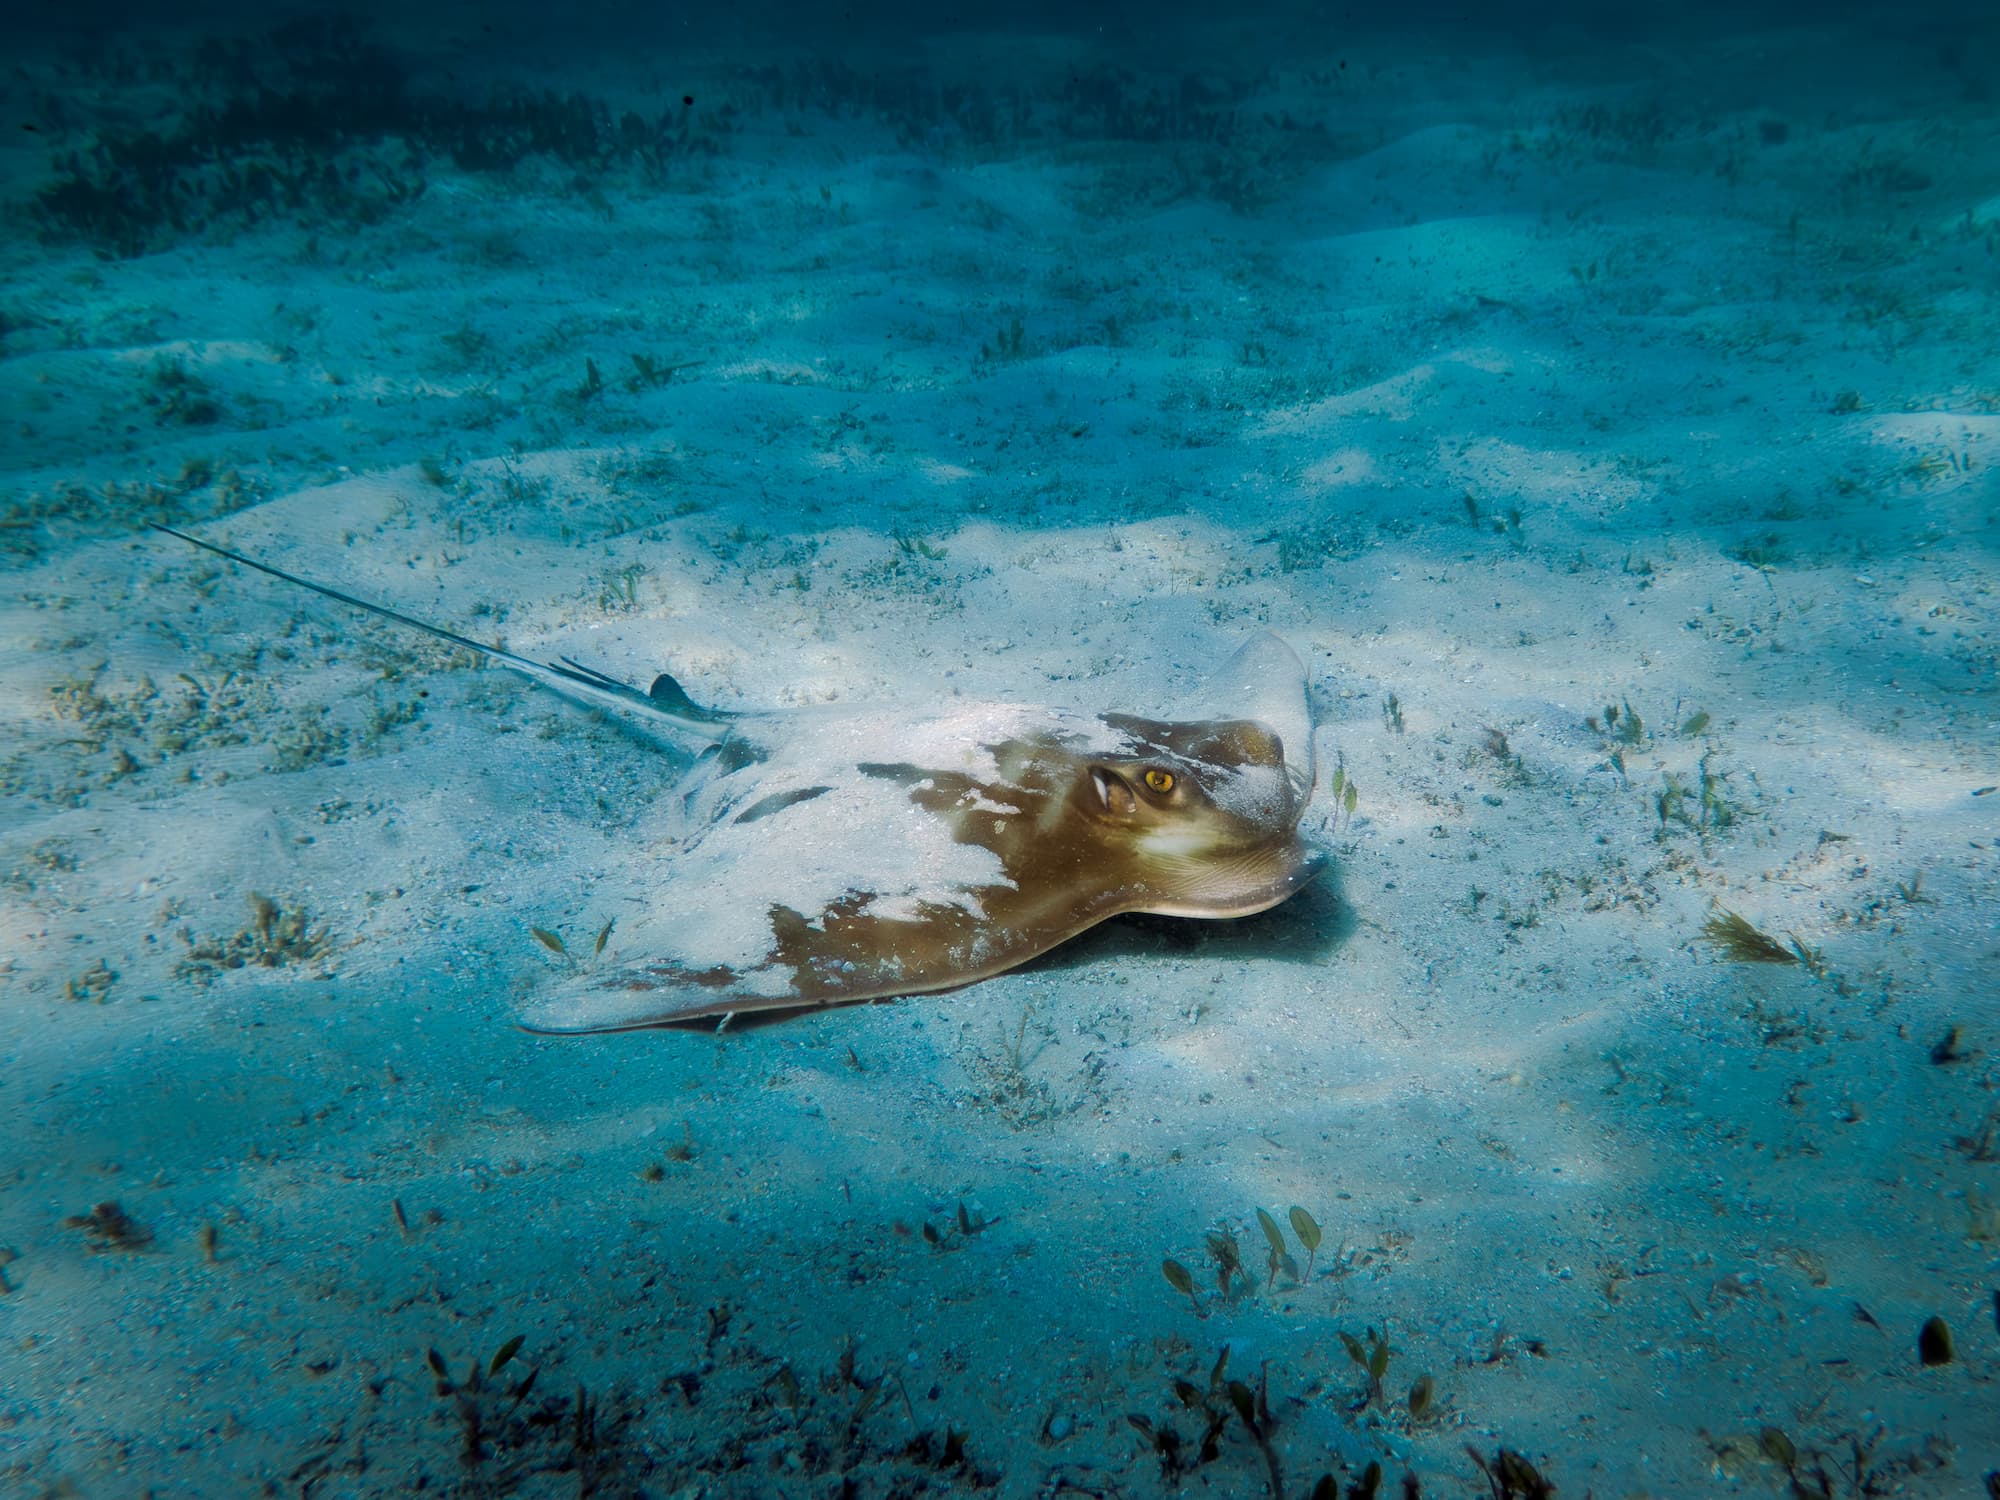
[851, 854]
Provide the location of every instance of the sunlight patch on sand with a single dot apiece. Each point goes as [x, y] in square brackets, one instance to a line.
[1496, 471]
[1396, 398]
[1340, 469]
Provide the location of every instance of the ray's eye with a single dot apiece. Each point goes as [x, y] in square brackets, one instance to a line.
[1159, 781]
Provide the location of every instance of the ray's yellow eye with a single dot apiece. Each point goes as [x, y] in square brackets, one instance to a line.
[1160, 781]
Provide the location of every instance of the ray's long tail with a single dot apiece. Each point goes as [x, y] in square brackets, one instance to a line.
[664, 700]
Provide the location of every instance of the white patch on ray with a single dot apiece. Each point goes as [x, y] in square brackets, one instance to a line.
[973, 802]
[1253, 793]
[862, 837]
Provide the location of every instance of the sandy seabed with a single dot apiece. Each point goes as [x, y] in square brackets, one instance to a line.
[1611, 427]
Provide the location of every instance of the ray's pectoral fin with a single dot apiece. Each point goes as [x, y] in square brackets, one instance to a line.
[633, 998]
[849, 953]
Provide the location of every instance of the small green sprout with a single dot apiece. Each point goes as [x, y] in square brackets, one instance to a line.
[1179, 1279]
[1778, 1448]
[506, 1352]
[1421, 1395]
[1632, 728]
[620, 590]
[1307, 1229]
[1811, 959]
[1667, 801]
[1716, 811]
[1281, 1258]
[1373, 1358]
[683, 1150]
[476, 1399]
[1011, 342]
[1273, 1237]
[1511, 1475]
[1228, 1258]
[1344, 796]
[1619, 723]
[1254, 1411]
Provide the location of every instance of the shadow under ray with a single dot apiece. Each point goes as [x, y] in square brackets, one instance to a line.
[1308, 929]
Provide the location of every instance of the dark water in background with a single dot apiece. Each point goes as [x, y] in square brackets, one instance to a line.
[1151, 384]
[1958, 34]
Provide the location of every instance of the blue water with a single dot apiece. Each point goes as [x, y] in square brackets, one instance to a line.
[1603, 407]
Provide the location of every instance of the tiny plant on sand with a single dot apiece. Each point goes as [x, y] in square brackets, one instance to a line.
[1280, 1257]
[620, 589]
[1306, 1227]
[1228, 1259]
[553, 941]
[1345, 797]
[1714, 811]
[1511, 1476]
[485, 1403]
[505, 1440]
[1373, 1358]
[1620, 724]
[1010, 342]
[1181, 1281]
[966, 1222]
[1811, 1472]
[1739, 940]
[1212, 1408]
[109, 1227]
[277, 935]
